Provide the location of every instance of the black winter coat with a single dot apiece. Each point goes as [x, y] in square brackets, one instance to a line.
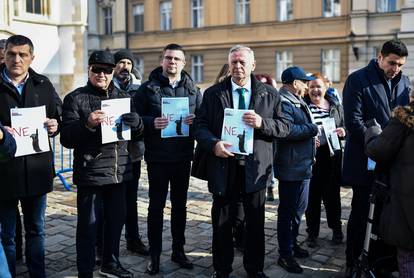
[136, 147]
[30, 175]
[366, 96]
[265, 101]
[148, 104]
[395, 147]
[296, 153]
[95, 164]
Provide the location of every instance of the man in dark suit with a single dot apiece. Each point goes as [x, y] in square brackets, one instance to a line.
[231, 177]
[369, 93]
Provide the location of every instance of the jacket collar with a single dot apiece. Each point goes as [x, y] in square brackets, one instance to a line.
[158, 80]
[259, 91]
[376, 77]
[405, 114]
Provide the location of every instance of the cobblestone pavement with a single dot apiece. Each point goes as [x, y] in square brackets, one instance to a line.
[327, 260]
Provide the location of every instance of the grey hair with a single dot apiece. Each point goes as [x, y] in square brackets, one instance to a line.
[239, 47]
[3, 44]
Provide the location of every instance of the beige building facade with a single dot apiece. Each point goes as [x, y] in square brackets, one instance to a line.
[334, 37]
[58, 32]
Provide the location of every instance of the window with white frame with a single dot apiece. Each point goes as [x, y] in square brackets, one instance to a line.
[331, 64]
[138, 15]
[285, 10]
[165, 15]
[242, 12]
[107, 11]
[284, 59]
[386, 6]
[331, 8]
[197, 16]
[197, 68]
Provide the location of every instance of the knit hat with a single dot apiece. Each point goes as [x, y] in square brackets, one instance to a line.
[124, 54]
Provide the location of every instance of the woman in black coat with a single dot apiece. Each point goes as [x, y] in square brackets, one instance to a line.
[394, 147]
[326, 172]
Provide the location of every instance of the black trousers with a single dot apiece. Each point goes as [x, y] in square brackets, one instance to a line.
[357, 223]
[131, 221]
[160, 174]
[324, 185]
[222, 218]
[113, 201]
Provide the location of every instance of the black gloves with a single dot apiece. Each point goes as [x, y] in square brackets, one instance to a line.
[132, 119]
[373, 130]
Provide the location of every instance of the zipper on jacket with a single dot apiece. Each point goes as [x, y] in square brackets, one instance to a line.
[116, 163]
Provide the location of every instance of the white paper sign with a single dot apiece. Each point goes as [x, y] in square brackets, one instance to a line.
[29, 130]
[237, 132]
[329, 128]
[113, 129]
[175, 109]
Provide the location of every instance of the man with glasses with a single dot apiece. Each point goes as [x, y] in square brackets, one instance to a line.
[100, 171]
[26, 178]
[168, 159]
[293, 166]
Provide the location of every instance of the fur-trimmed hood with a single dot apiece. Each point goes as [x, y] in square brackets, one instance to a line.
[405, 114]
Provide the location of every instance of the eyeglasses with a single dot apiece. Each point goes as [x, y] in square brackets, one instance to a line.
[98, 70]
[170, 58]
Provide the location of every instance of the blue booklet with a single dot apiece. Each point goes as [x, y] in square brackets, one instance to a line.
[237, 132]
[175, 109]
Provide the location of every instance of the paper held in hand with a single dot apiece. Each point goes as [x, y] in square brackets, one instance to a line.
[175, 109]
[112, 128]
[329, 128]
[237, 132]
[29, 130]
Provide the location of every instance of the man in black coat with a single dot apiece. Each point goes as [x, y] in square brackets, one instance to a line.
[168, 159]
[369, 93]
[26, 178]
[233, 177]
[100, 171]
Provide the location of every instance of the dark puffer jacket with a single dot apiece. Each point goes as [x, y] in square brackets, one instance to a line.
[95, 164]
[296, 153]
[395, 147]
[148, 104]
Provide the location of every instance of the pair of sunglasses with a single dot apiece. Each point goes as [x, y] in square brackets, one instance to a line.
[98, 69]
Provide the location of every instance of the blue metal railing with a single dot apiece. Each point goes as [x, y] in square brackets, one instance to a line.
[62, 159]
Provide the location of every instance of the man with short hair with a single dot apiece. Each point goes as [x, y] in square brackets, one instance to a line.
[125, 81]
[168, 159]
[293, 166]
[99, 170]
[26, 178]
[234, 177]
[369, 93]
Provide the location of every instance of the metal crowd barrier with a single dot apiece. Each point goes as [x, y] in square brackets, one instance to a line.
[62, 159]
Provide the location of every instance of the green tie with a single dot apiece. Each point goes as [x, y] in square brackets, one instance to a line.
[242, 103]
